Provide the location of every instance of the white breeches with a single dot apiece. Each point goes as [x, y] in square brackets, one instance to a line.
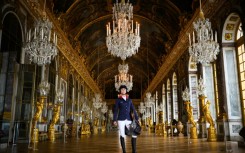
[121, 125]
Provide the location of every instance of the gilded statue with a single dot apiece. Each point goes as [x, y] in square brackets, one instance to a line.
[189, 110]
[207, 113]
[55, 118]
[96, 122]
[56, 115]
[39, 108]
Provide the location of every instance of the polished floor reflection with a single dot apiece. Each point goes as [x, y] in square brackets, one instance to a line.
[109, 143]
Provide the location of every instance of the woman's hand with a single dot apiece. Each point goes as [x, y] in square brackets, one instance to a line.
[115, 123]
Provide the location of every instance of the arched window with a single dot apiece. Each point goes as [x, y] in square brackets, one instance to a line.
[193, 88]
[169, 102]
[234, 71]
[164, 103]
[241, 61]
[175, 98]
[209, 81]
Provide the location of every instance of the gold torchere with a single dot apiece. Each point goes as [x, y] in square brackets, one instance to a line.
[201, 120]
[103, 126]
[85, 127]
[39, 108]
[211, 130]
[193, 129]
[160, 128]
[95, 127]
[55, 118]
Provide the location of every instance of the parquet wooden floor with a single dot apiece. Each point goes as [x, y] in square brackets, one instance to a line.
[109, 143]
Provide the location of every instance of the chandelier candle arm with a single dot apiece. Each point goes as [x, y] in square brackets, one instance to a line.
[123, 78]
[203, 47]
[123, 40]
[38, 45]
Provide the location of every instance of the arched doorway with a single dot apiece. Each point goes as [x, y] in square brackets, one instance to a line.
[11, 43]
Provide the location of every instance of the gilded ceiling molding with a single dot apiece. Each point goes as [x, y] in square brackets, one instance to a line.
[110, 15]
[89, 24]
[181, 45]
[66, 49]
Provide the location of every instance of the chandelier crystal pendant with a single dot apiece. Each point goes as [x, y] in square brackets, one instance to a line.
[41, 43]
[97, 101]
[186, 94]
[149, 101]
[123, 78]
[123, 40]
[203, 46]
[44, 88]
[104, 108]
[142, 108]
[201, 87]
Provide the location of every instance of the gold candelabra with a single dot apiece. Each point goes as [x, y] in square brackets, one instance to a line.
[55, 118]
[211, 130]
[39, 108]
[193, 129]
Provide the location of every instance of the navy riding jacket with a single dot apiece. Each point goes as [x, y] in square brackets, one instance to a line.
[122, 109]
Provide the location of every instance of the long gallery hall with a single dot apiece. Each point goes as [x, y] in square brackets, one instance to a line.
[118, 76]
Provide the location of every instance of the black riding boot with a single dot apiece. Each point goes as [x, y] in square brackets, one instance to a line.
[122, 144]
[133, 141]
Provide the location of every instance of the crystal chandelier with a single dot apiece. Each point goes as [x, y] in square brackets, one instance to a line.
[44, 88]
[186, 94]
[85, 108]
[110, 114]
[123, 78]
[159, 108]
[149, 101]
[97, 101]
[123, 40]
[203, 46]
[201, 87]
[60, 96]
[104, 108]
[40, 43]
[142, 108]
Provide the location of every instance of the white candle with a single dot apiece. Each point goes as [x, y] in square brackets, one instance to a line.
[56, 40]
[106, 30]
[200, 35]
[138, 29]
[49, 36]
[193, 37]
[132, 28]
[113, 25]
[216, 36]
[35, 33]
[42, 33]
[54, 37]
[30, 35]
[189, 39]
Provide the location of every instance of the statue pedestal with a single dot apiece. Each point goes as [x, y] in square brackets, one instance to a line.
[51, 134]
[95, 130]
[212, 134]
[34, 137]
[193, 132]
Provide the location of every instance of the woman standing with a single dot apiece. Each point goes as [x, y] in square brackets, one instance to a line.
[122, 117]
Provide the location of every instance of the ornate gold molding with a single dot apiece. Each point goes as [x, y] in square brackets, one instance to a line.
[66, 49]
[181, 45]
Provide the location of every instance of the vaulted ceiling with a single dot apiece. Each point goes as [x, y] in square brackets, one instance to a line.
[85, 23]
